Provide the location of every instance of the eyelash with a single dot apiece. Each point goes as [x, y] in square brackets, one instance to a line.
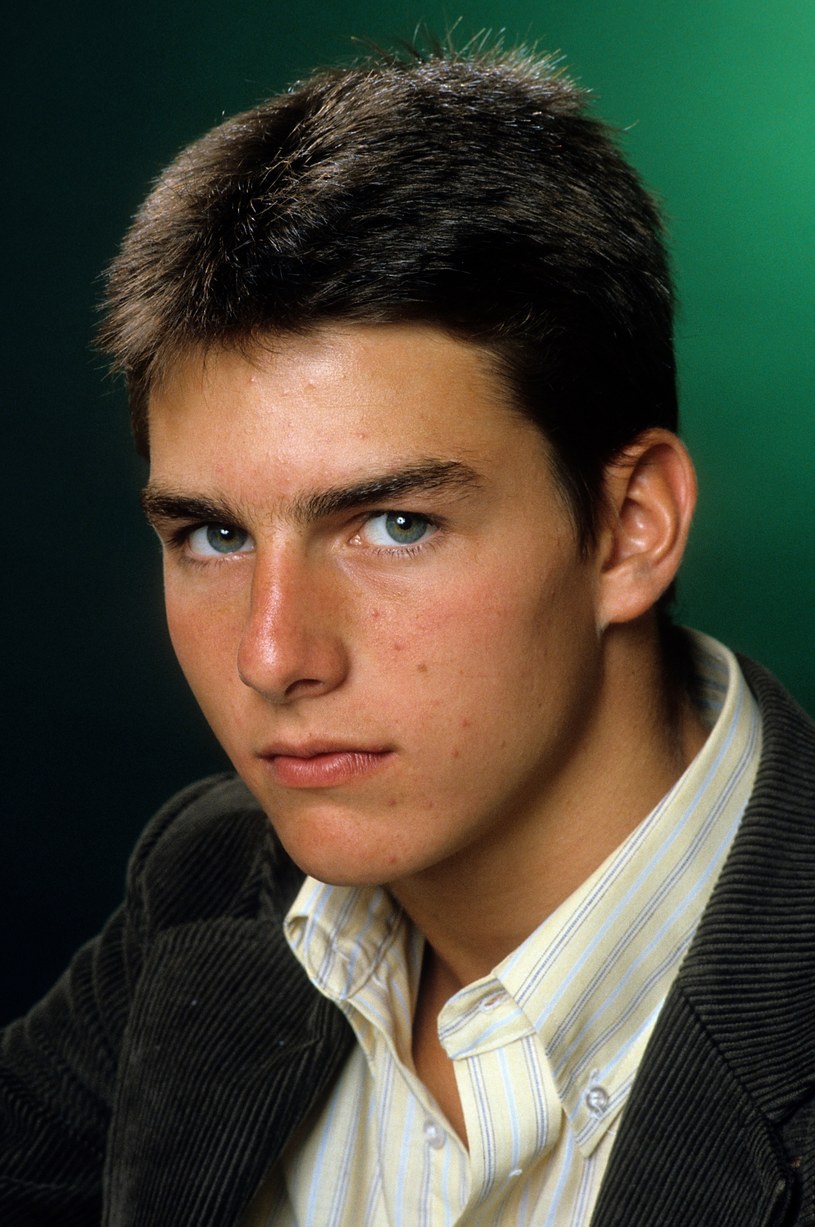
[407, 549]
[177, 541]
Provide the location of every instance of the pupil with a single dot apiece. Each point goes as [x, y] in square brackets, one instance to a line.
[223, 539]
[405, 528]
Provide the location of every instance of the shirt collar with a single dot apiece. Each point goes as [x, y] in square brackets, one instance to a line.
[593, 977]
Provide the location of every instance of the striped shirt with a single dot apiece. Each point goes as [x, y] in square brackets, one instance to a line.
[545, 1049]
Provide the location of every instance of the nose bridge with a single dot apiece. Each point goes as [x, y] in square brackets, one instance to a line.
[290, 645]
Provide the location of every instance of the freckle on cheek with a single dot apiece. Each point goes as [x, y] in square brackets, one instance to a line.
[397, 647]
[465, 723]
[421, 668]
[456, 753]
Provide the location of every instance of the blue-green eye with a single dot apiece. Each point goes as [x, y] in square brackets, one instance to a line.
[216, 540]
[395, 528]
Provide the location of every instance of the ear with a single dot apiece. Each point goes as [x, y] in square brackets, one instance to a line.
[650, 496]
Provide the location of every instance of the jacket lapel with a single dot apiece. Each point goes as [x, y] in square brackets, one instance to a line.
[228, 1048]
[732, 1054]
[692, 1149]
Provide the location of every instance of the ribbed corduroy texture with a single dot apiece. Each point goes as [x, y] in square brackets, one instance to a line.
[185, 1044]
[194, 994]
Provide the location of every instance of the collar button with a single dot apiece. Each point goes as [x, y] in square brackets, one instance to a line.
[597, 1100]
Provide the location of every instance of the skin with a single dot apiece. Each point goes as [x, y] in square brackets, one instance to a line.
[489, 707]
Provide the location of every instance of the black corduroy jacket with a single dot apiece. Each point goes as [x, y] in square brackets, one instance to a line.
[162, 1076]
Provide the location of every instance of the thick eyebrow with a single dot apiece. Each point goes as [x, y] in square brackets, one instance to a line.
[423, 477]
[163, 506]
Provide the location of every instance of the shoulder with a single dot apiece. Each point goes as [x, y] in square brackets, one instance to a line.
[206, 883]
[788, 733]
[776, 703]
[207, 853]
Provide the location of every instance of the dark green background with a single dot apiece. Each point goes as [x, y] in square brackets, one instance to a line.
[717, 100]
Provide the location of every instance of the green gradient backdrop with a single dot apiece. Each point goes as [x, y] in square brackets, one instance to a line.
[716, 98]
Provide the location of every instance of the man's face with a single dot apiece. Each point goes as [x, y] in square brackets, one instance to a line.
[374, 590]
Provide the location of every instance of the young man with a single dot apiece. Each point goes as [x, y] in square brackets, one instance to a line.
[399, 349]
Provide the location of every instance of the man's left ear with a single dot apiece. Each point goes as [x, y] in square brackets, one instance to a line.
[650, 496]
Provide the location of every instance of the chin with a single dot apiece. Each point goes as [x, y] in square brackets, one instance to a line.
[333, 849]
[336, 871]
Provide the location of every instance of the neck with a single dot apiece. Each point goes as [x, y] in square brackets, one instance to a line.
[476, 907]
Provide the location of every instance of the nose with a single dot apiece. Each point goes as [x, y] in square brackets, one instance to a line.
[291, 646]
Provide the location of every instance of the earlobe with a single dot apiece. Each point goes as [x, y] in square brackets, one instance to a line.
[650, 496]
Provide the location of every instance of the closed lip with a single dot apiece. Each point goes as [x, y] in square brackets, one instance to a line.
[314, 749]
[322, 765]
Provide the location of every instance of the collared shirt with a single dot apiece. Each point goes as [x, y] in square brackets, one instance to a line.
[545, 1049]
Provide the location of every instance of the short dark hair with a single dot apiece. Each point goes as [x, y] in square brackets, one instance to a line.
[473, 192]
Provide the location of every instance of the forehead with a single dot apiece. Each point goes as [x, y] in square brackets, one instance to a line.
[327, 405]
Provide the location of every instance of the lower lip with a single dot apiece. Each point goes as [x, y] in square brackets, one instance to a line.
[326, 770]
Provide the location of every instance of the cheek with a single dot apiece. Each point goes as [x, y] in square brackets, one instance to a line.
[496, 615]
[506, 645]
[202, 638]
[182, 624]
[460, 651]
[207, 658]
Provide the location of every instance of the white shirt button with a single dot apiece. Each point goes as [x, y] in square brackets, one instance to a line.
[492, 1001]
[434, 1134]
[597, 1100]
